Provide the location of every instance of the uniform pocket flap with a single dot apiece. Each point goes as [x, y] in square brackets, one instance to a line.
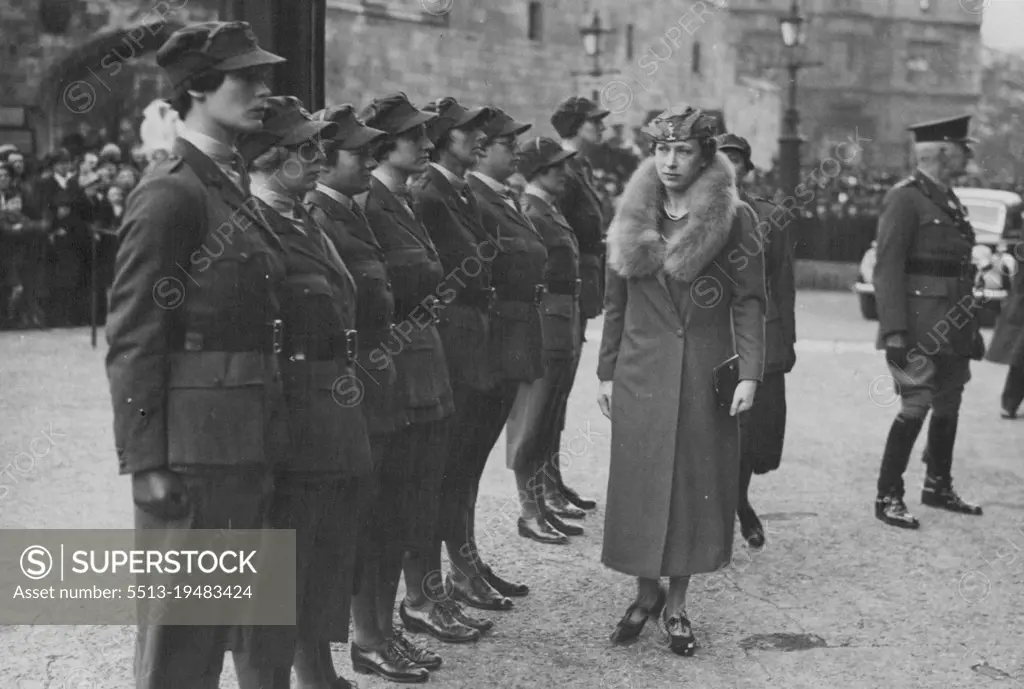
[927, 286]
[558, 306]
[217, 369]
[515, 311]
[309, 284]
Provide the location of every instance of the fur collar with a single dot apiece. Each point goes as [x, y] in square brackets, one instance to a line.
[636, 245]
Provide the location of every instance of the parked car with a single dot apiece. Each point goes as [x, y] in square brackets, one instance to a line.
[997, 218]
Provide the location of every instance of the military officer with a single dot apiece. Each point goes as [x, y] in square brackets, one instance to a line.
[195, 382]
[517, 275]
[580, 123]
[443, 200]
[348, 173]
[927, 315]
[534, 426]
[763, 428]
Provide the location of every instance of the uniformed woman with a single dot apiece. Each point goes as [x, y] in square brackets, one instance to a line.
[413, 458]
[199, 416]
[317, 486]
[535, 423]
[345, 176]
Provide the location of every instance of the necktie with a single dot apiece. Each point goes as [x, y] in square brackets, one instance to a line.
[360, 215]
[511, 197]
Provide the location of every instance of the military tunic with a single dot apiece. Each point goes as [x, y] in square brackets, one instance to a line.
[924, 287]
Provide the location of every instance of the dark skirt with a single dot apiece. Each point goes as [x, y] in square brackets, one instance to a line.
[763, 428]
[323, 510]
[404, 513]
[476, 426]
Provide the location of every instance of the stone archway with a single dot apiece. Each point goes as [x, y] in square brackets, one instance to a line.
[103, 85]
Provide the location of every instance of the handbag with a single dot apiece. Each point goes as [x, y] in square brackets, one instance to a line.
[725, 377]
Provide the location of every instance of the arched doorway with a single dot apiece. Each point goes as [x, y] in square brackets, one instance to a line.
[98, 91]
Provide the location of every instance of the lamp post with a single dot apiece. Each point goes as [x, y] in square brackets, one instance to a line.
[592, 32]
[794, 36]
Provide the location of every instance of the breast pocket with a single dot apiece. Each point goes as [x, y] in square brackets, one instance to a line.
[560, 324]
[422, 370]
[217, 408]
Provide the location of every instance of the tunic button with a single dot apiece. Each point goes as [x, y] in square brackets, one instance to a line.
[679, 332]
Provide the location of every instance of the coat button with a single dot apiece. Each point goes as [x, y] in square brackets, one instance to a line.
[679, 332]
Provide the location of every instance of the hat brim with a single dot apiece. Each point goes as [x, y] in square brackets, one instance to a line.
[257, 57]
[513, 128]
[414, 121]
[475, 116]
[308, 131]
[362, 136]
[598, 114]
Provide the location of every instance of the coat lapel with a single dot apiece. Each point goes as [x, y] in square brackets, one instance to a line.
[212, 176]
[488, 195]
[338, 212]
[465, 208]
[390, 203]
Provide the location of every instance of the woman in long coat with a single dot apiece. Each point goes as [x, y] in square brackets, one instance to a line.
[685, 292]
[1008, 345]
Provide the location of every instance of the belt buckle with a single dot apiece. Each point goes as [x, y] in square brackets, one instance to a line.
[277, 335]
[492, 296]
[351, 344]
[577, 288]
[538, 293]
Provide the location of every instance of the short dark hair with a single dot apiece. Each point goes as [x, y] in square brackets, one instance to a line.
[205, 82]
[441, 145]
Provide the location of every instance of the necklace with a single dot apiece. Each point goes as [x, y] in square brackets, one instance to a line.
[674, 215]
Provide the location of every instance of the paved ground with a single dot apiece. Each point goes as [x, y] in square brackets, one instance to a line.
[835, 600]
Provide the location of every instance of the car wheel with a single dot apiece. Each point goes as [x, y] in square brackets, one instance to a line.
[868, 307]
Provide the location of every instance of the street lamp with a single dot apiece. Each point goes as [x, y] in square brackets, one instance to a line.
[794, 35]
[592, 32]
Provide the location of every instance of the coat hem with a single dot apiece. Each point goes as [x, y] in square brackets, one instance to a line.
[634, 572]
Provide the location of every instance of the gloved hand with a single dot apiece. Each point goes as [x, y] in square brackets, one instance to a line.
[604, 397]
[896, 351]
[790, 361]
[161, 493]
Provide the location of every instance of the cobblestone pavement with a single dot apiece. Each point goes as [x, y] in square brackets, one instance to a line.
[835, 600]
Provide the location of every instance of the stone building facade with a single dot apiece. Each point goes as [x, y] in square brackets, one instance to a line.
[888, 62]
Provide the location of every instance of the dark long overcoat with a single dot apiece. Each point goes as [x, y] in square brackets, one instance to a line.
[677, 292]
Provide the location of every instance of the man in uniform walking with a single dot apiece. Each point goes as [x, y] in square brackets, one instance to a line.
[927, 315]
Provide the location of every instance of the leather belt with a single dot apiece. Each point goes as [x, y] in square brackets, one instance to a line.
[269, 340]
[415, 311]
[940, 269]
[524, 293]
[570, 287]
[477, 297]
[326, 349]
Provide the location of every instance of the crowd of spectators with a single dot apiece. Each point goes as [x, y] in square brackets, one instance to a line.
[58, 219]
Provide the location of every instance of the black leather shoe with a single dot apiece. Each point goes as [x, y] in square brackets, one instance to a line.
[556, 522]
[477, 593]
[505, 588]
[939, 493]
[680, 635]
[627, 631]
[574, 497]
[420, 657]
[751, 528]
[439, 623]
[538, 529]
[561, 507]
[388, 663]
[893, 511]
[1008, 414]
[479, 623]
